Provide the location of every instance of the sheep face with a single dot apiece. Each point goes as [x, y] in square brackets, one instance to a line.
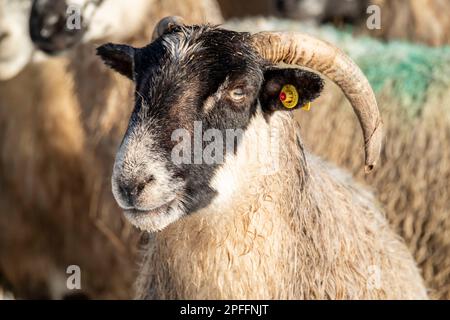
[58, 25]
[15, 47]
[190, 81]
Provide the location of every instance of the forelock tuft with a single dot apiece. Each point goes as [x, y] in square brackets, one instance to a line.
[184, 40]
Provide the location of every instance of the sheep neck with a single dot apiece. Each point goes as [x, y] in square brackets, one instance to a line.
[239, 227]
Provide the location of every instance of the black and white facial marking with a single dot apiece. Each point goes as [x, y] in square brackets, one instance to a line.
[190, 74]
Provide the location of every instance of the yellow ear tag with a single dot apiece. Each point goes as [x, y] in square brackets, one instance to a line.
[289, 96]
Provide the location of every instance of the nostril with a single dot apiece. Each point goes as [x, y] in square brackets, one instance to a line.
[141, 185]
[130, 191]
[139, 188]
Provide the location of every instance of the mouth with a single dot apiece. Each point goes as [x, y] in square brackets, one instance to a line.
[152, 212]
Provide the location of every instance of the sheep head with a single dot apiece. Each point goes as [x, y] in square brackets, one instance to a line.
[199, 80]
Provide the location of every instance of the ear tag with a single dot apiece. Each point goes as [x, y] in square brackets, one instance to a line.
[306, 106]
[289, 96]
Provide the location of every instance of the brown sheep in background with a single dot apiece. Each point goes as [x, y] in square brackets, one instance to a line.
[424, 21]
[413, 183]
[50, 181]
[5, 295]
[58, 136]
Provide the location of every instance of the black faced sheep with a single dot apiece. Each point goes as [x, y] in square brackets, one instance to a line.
[280, 225]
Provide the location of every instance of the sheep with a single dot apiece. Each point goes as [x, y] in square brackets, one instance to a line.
[282, 225]
[411, 83]
[54, 166]
[413, 184]
[103, 110]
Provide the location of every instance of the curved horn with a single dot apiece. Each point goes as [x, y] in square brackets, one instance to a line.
[166, 24]
[303, 50]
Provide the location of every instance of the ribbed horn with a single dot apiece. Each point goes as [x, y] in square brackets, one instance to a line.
[303, 50]
[166, 24]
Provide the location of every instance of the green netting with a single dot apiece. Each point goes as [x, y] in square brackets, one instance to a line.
[408, 70]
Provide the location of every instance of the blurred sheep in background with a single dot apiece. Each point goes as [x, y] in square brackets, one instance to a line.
[423, 21]
[62, 118]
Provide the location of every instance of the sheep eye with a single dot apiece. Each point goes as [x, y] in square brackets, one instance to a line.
[237, 94]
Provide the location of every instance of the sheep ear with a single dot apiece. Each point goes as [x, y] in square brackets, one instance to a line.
[289, 89]
[119, 57]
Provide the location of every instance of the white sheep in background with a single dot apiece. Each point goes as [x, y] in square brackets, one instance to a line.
[41, 162]
[305, 230]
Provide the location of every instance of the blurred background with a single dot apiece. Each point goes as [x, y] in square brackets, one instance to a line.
[63, 114]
